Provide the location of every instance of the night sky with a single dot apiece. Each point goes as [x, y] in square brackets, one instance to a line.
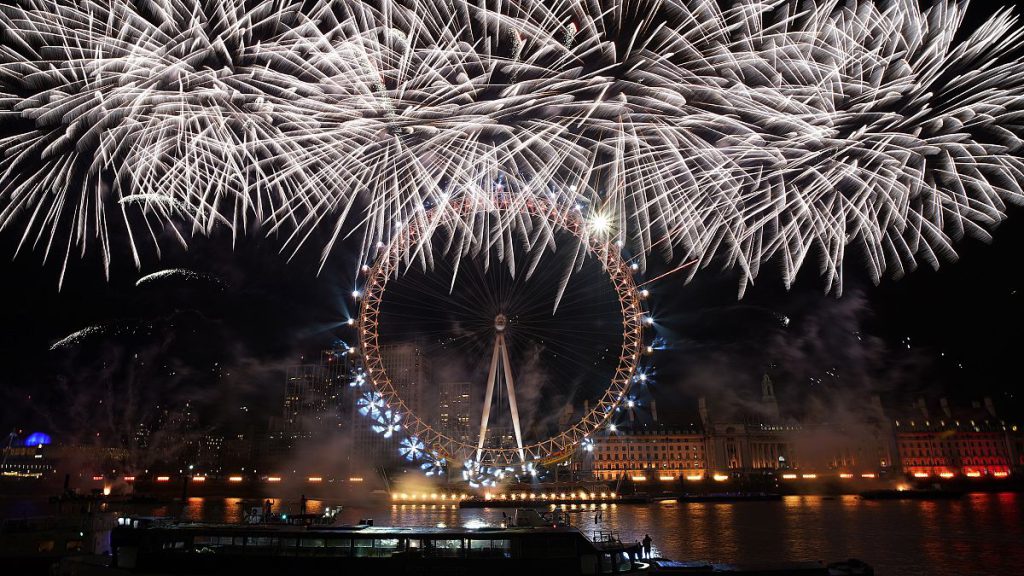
[221, 339]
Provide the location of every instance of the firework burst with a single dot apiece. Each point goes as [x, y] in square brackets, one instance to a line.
[754, 132]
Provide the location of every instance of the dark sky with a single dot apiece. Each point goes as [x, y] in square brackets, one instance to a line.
[221, 339]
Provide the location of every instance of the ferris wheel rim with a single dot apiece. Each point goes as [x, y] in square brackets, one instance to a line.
[391, 260]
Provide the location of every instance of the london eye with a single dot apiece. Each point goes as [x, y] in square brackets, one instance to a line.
[526, 336]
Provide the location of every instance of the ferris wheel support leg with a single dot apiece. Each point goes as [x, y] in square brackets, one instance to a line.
[488, 396]
[511, 397]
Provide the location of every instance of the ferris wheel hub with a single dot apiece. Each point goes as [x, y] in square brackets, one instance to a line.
[500, 322]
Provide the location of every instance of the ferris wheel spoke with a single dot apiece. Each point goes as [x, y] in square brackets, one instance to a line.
[567, 338]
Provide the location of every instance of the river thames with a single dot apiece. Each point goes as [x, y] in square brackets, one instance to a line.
[979, 534]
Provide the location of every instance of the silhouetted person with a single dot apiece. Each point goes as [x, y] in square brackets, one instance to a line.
[266, 510]
[302, 505]
[647, 545]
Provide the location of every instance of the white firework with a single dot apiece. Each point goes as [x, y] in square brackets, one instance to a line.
[182, 273]
[760, 131]
[111, 329]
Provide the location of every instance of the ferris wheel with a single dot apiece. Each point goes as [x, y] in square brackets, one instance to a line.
[577, 321]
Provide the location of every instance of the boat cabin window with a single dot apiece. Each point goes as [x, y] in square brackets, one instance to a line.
[311, 543]
[219, 541]
[45, 546]
[73, 546]
[385, 546]
[262, 541]
[343, 544]
[445, 548]
[374, 547]
[174, 545]
[490, 548]
[362, 547]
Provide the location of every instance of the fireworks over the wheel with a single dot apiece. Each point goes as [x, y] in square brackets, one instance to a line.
[595, 242]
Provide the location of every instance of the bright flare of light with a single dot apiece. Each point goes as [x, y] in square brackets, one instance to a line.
[600, 224]
[746, 130]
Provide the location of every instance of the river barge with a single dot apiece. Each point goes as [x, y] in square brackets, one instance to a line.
[141, 547]
[153, 547]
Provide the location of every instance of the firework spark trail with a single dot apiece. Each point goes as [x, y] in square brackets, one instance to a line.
[762, 131]
[110, 329]
[182, 273]
[682, 266]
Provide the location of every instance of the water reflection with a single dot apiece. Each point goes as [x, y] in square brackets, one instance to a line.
[230, 510]
[898, 537]
[980, 534]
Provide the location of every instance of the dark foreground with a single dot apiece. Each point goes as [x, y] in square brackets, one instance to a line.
[976, 534]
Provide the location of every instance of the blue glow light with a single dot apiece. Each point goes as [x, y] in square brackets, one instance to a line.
[37, 439]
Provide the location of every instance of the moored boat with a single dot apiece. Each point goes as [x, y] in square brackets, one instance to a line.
[144, 548]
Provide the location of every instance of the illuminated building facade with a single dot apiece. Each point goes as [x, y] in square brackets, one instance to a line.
[650, 453]
[755, 441]
[971, 442]
[750, 447]
[949, 449]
